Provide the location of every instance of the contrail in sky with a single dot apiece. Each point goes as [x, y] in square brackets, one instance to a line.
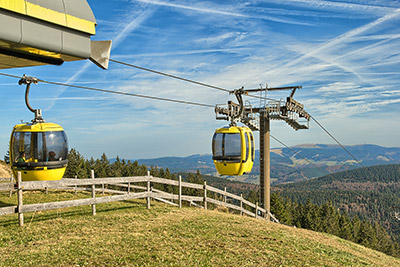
[122, 35]
[221, 12]
[338, 40]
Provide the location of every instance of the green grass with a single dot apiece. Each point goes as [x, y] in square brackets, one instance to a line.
[126, 233]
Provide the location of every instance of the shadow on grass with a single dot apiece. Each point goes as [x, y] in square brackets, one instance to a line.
[7, 204]
[80, 211]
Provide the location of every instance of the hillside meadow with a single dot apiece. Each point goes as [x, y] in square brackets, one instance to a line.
[126, 233]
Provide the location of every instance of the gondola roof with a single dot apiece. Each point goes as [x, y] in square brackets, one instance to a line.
[38, 127]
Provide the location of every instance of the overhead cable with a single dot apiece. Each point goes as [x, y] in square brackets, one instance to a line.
[345, 149]
[183, 79]
[117, 92]
[298, 154]
[169, 75]
[10, 75]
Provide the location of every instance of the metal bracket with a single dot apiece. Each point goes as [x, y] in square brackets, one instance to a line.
[28, 80]
[100, 53]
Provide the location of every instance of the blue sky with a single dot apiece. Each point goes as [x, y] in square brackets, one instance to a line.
[345, 54]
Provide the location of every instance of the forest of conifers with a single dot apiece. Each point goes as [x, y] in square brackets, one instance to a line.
[370, 193]
[338, 205]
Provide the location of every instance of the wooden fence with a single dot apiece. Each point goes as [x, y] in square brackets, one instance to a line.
[229, 200]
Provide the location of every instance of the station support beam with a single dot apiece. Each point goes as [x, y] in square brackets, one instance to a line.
[265, 172]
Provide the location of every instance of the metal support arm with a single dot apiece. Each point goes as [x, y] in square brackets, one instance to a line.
[28, 81]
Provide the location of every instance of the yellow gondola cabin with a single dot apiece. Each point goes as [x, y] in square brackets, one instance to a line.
[233, 150]
[39, 151]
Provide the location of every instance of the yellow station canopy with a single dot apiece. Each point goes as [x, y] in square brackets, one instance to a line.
[38, 32]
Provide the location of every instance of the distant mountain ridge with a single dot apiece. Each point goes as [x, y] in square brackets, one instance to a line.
[287, 167]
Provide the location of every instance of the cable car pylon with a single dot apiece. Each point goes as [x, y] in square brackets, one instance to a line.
[258, 119]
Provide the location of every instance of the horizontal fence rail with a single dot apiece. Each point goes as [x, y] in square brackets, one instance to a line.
[124, 188]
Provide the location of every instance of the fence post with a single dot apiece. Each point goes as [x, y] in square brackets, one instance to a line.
[11, 181]
[205, 195]
[225, 194]
[148, 190]
[76, 187]
[93, 193]
[241, 204]
[180, 191]
[19, 188]
[256, 209]
[129, 188]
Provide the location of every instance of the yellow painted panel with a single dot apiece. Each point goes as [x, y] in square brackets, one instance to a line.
[40, 52]
[81, 24]
[49, 15]
[14, 5]
[46, 14]
[40, 175]
[228, 168]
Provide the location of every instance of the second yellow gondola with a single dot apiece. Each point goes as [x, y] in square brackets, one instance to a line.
[233, 150]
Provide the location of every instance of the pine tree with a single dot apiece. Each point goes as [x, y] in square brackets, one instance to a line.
[311, 220]
[89, 165]
[169, 188]
[253, 196]
[194, 179]
[76, 165]
[102, 166]
[278, 208]
[356, 223]
[142, 170]
[199, 178]
[366, 235]
[7, 157]
[116, 169]
[329, 219]
[345, 227]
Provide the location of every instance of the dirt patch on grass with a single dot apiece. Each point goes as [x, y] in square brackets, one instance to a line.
[5, 170]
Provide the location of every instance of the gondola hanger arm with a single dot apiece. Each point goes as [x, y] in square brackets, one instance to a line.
[238, 93]
[28, 80]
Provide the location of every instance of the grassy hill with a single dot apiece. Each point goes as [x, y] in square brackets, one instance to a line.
[371, 193]
[125, 233]
[5, 170]
[234, 187]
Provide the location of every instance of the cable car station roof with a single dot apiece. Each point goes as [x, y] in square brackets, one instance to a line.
[74, 14]
[38, 32]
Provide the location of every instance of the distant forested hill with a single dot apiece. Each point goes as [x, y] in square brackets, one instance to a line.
[372, 193]
[287, 167]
